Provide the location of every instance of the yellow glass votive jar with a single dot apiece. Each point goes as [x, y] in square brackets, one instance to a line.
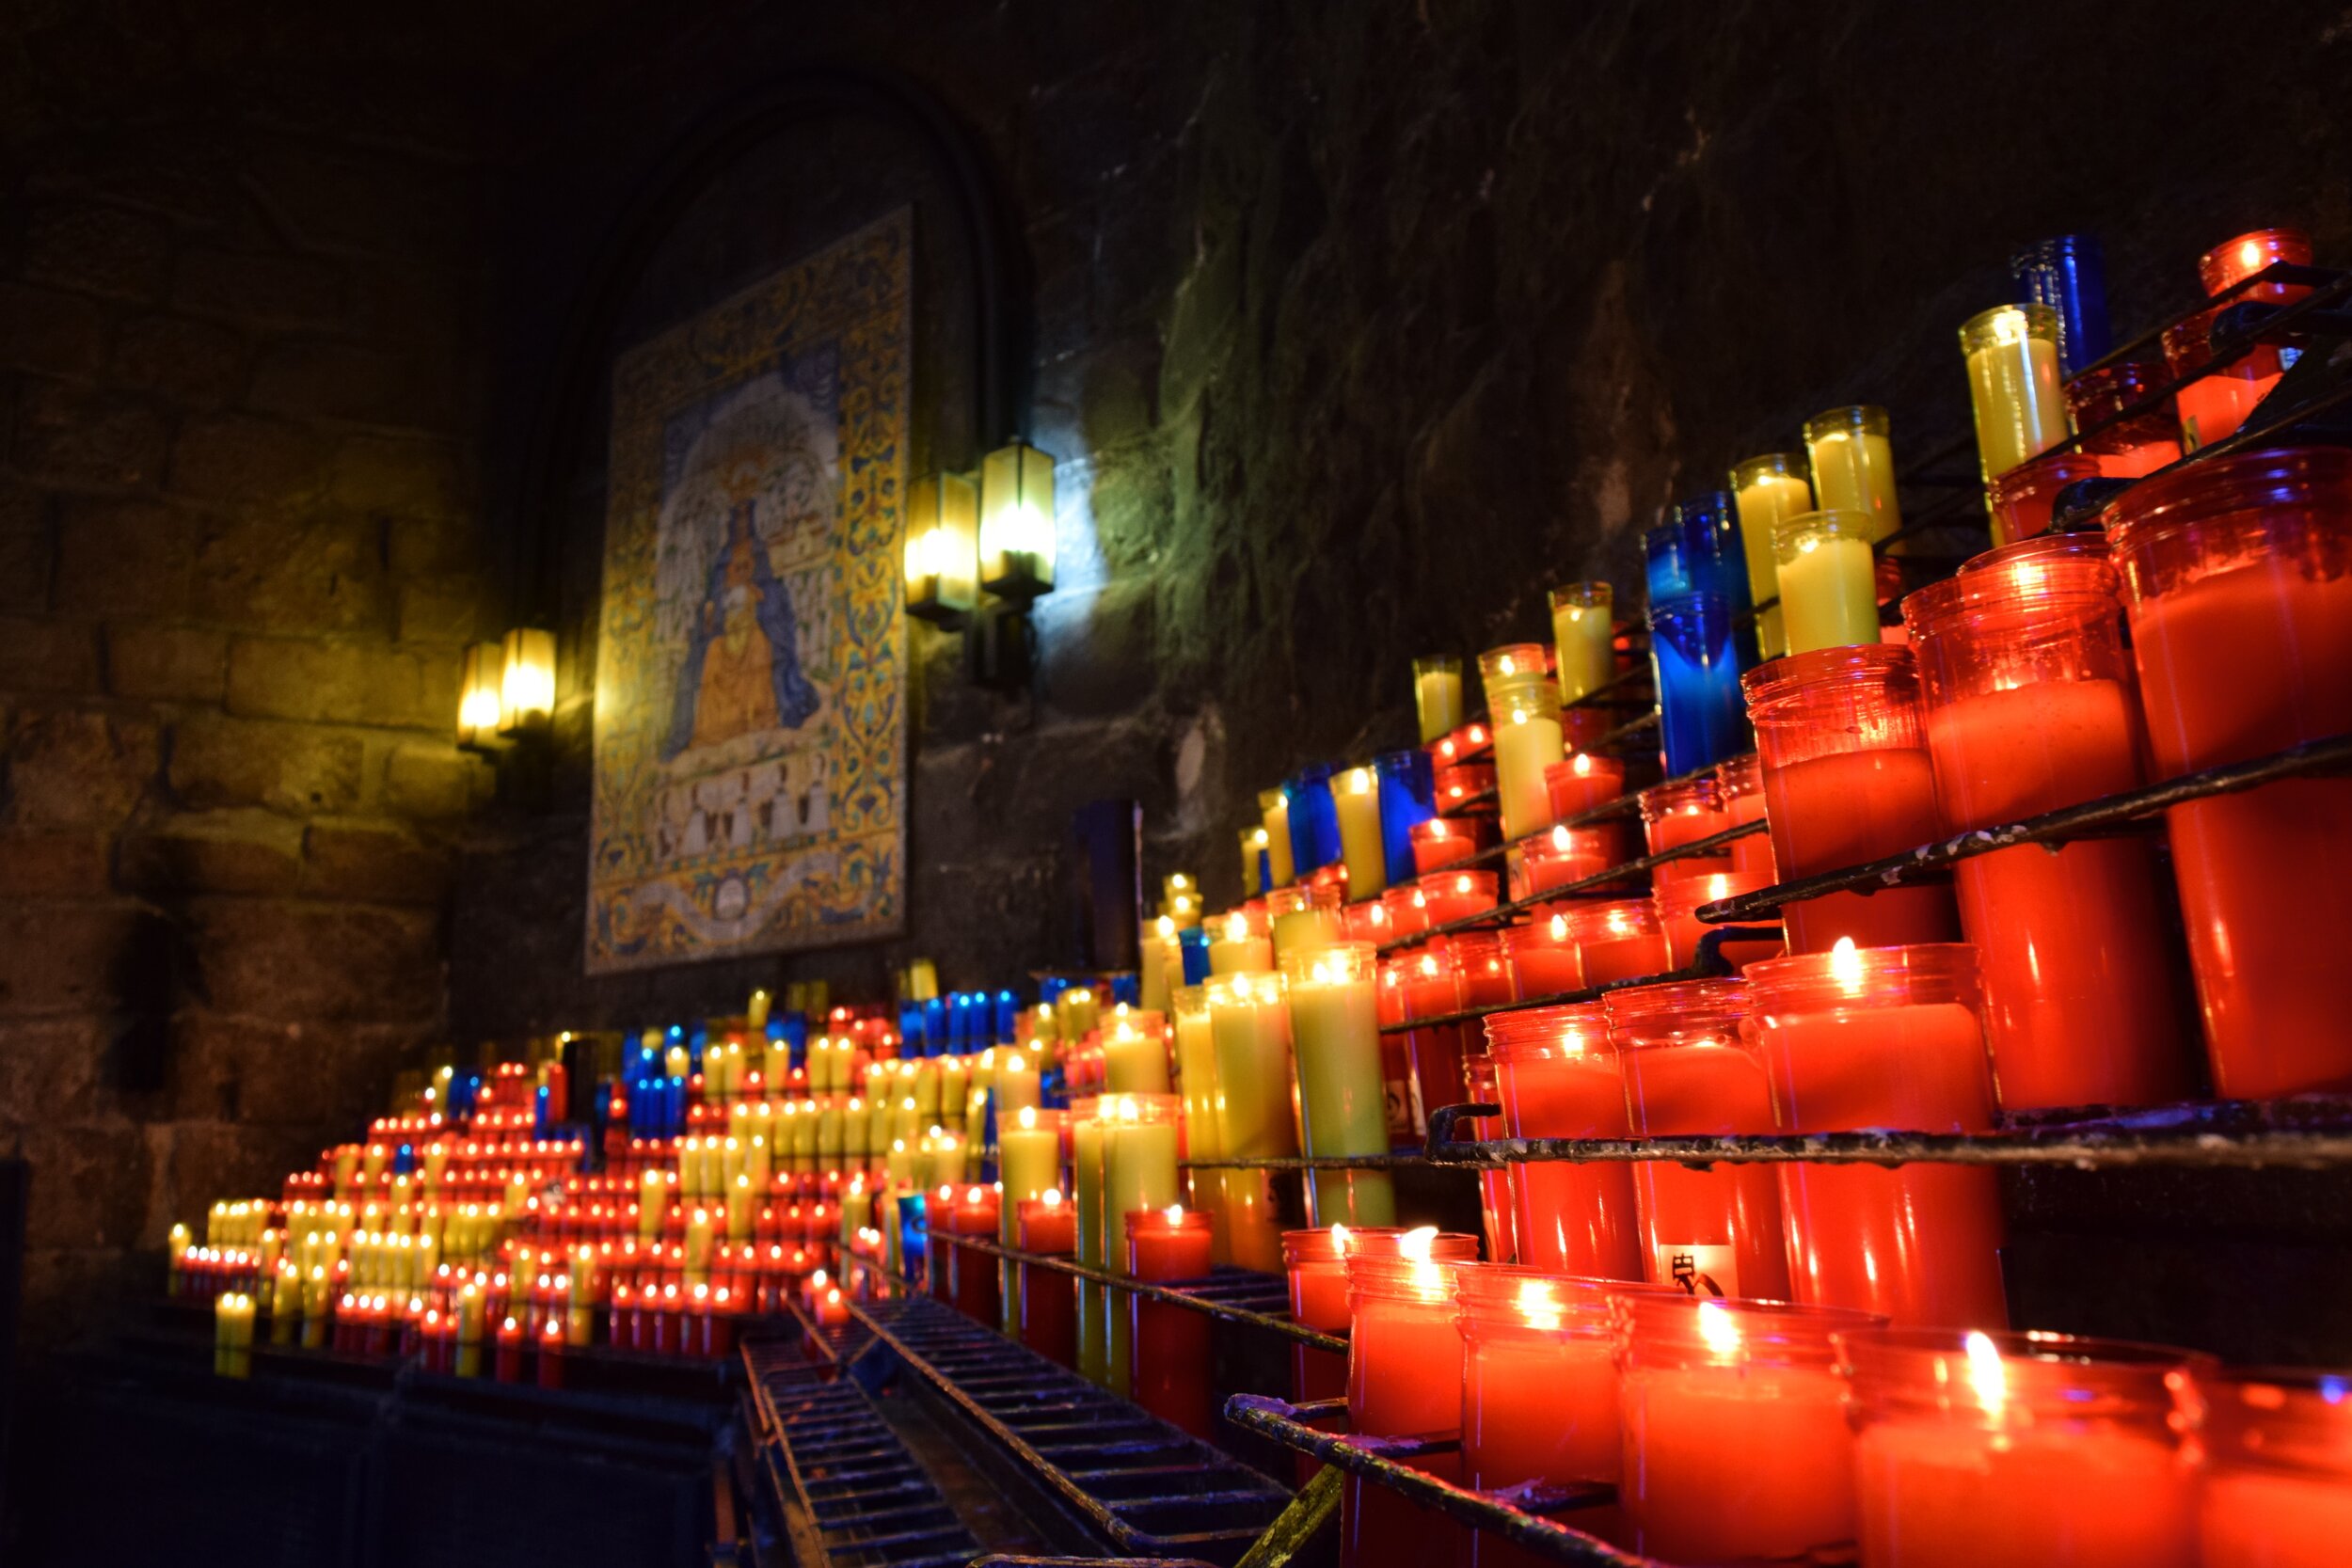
[1356, 797]
[1437, 696]
[1768, 491]
[1828, 579]
[1583, 638]
[2013, 384]
[1528, 740]
[1276, 807]
[1853, 466]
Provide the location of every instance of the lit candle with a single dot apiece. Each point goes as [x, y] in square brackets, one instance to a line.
[1171, 1342]
[1695, 661]
[1559, 1075]
[1884, 1037]
[1687, 1073]
[1740, 785]
[232, 1335]
[1357, 795]
[1154, 952]
[1678, 918]
[1768, 490]
[2012, 353]
[1276, 809]
[1616, 939]
[1135, 1061]
[1680, 812]
[1853, 470]
[973, 1276]
[1450, 895]
[1555, 859]
[1828, 580]
[1735, 1437]
[1029, 1163]
[2278, 1471]
[1973, 1449]
[1436, 698]
[2135, 447]
[1303, 918]
[1403, 1380]
[1240, 945]
[1442, 841]
[1583, 782]
[1139, 1172]
[1335, 1034]
[1583, 638]
[1019, 1080]
[1049, 1320]
[1249, 1031]
[1541, 955]
[1527, 740]
[1432, 987]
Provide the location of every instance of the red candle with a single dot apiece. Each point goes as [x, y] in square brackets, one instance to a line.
[974, 1290]
[1687, 1072]
[2238, 574]
[2139, 445]
[1558, 857]
[1408, 911]
[1457, 787]
[939, 1213]
[2030, 708]
[1403, 1380]
[1497, 1212]
[2022, 500]
[1171, 1342]
[1884, 1037]
[1542, 957]
[1680, 812]
[1740, 785]
[2278, 1474]
[1450, 896]
[1433, 988]
[1846, 779]
[510, 1351]
[1444, 841]
[1367, 921]
[1974, 1448]
[1735, 1437]
[1677, 904]
[551, 1354]
[1559, 1076]
[1583, 782]
[1049, 1315]
[1616, 939]
[1539, 1389]
[1485, 971]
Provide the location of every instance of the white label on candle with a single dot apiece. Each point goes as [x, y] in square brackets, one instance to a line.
[1702, 1268]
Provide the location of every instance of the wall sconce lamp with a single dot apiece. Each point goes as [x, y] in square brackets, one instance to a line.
[1017, 523]
[478, 707]
[508, 689]
[978, 555]
[943, 550]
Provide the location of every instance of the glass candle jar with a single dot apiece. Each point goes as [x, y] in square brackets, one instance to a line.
[2235, 261]
[1443, 841]
[1437, 696]
[1275, 811]
[2212, 406]
[1677, 813]
[1666, 560]
[1884, 1037]
[1734, 1429]
[1616, 939]
[1498, 1219]
[1356, 799]
[1740, 785]
[1677, 904]
[1581, 784]
[1466, 744]
[2012, 354]
[1713, 1232]
[1846, 779]
[1238, 943]
[1249, 1033]
[1047, 1300]
[1140, 1145]
[1303, 918]
[1716, 558]
[1853, 468]
[1973, 1447]
[1408, 796]
[2024, 500]
[1432, 985]
[1769, 490]
[1828, 580]
[1171, 1348]
[1541, 955]
[1526, 716]
[2067, 273]
[2030, 707]
[1559, 1077]
[1196, 1068]
[2239, 577]
[1695, 659]
[1509, 666]
[2128, 448]
[1486, 968]
[1254, 878]
[1314, 818]
[1558, 858]
[1335, 1039]
[1459, 786]
[1583, 638]
[2278, 1474]
[1408, 908]
[1450, 896]
[1403, 1380]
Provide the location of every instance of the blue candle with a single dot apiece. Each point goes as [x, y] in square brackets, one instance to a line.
[2068, 275]
[1008, 1018]
[1192, 946]
[1666, 568]
[1314, 821]
[934, 1027]
[1715, 561]
[1702, 717]
[1408, 794]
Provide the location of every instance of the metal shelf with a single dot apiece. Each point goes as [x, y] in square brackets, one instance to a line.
[1236, 1295]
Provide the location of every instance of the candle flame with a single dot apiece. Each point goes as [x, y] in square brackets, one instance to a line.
[1126, 1109]
[1718, 1329]
[1236, 927]
[1338, 1240]
[948, 1191]
[1175, 1213]
[976, 1195]
[1028, 1117]
[1258, 839]
[1415, 1243]
[1178, 880]
[2250, 255]
[1985, 1374]
[1845, 966]
[1165, 925]
[1359, 781]
[1584, 759]
[1559, 927]
[2008, 327]
[1559, 839]
[1538, 1304]
[1050, 1197]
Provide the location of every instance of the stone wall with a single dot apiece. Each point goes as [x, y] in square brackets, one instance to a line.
[238, 356]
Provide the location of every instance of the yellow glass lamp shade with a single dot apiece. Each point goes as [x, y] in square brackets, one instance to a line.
[942, 549]
[1017, 522]
[478, 707]
[527, 680]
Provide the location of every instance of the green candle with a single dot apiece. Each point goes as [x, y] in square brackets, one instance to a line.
[1196, 1069]
[1335, 1034]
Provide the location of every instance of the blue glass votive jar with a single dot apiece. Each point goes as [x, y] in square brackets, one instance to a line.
[1408, 794]
[1702, 718]
[1314, 819]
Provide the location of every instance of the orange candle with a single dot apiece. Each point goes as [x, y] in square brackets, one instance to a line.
[1541, 955]
[1616, 939]
[1559, 857]
[1740, 785]
[1171, 1342]
[1559, 1077]
[1680, 812]
[1049, 1312]
[1403, 1380]
[1583, 782]
[2278, 1475]
[1444, 841]
[1678, 917]
[1450, 895]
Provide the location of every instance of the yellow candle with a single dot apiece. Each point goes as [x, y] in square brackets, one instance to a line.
[1304, 918]
[1139, 1172]
[856, 1127]
[1195, 1071]
[1854, 467]
[1437, 696]
[1828, 580]
[1086, 1161]
[2013, 384]
[1527, 741]
[1253, 842]
[1249, 1030]
[1077, 1012]
[742, 1205]
[1159, 941]
[1583, 636]
[1028, 1164]
[900, 1166]
[1276, 807]
[1240, 949]
[1768, 491]
[1343, 1097]
[1133, 1061]
[1019, 1075]
[756, 1014]
[954, 1074]
[1357, 795]
[927, 1087]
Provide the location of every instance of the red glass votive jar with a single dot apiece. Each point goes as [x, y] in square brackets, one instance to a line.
[976, 1212]
[1470, 740]
[1973, 1447]
[2239, 577]
[2139, 445]
[1558, 1073]
[1678, 917]
[1484, 967]
[1407, 910]
[1583, 782]
[1687, 1073]
[1432, 985]
[1049, 1307]
[1616, 939]
[2030, 707]
[2023, 499]
[1464, 788]
[1444, 841]
[1497, 1215]
[1539, 1389]
[1171, 1342]
[1846, 779]
[1740, 785]
[1315, 1263]
[1884, 1037]
[1403, 1380]
[2212, 406]
[1559, 857]
[2277, 1472]
[1367, 921]
[2233, 261]
[1541, 955]
[1450, 896]
[1735, 1435]
[1678, 812]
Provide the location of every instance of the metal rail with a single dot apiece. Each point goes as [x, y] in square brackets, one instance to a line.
[1708, 965]
[1178, 1294]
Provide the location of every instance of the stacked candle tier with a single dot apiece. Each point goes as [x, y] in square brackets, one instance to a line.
[2238, 574]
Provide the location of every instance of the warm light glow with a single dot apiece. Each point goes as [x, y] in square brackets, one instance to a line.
[1166, 926]
[1028, 1117]
[1125, 1109]
[1559, 927]
[1258, 839]
[527, 682]
[1416, 1243]
[2249, 256]
[1584, 759]
[1339, 1240]
[2007, 326]
[1359, 781]
[1984, 1372]
[1538, 1304]
[1845, 966]
[1560, 840]
[1174, 1212]
[1717, 1328]
[1050, 1197]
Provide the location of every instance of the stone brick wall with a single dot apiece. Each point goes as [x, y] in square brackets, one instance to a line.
[238, 562]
